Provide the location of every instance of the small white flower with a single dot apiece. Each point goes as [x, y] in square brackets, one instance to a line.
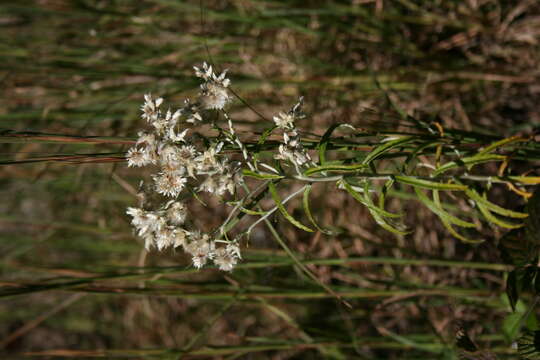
[201, 248]
[147, 223]
[227, 182]
[176, 213]
[147, 139]
[150, 108]
[139, 216]
[149, 241]
[226, 258]
[179, 237]
[209, 185]
[165, 237]
[161, 126]
[284, 121]
[194, 118]
[186, 153]
[205, 73]
[186, 158]
[138, 157]
[174, 137]
[214, 96]
[168, 155]
[207, 161]
[214, 93]
[170, 183]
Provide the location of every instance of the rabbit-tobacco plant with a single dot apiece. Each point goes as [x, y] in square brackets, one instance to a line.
[188, 164]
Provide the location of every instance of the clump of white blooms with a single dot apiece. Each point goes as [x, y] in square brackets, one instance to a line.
[182, 165]
[214, 94]
[185, 165]
[292, 150]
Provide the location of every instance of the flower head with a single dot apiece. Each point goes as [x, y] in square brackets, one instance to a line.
[139, 157]
[201, 249]
[170, 183]
[227, 257]
[284, 121]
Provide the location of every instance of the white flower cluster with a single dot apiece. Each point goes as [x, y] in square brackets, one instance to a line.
[183, 165]
[214, 94]
[292, 150]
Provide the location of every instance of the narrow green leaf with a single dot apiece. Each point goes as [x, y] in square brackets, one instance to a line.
[364, 200]
[266, 134]
[325, 139]
[493, 219]
[283, 211]
[335, 167]
[527, 180]
[379, 150]
[414, 154]
[261, 141]
[500, 143]
[439, 211]
[468, 161]
[371, 205]
[448, 225]
[261, 176]
[252, 212]
[432, 185]
[385, 225]
[457, 235]
[511, 326]
[493, 207]
[307, 209]
[377, 213]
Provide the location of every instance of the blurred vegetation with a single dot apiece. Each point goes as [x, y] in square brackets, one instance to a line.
[75, 281]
